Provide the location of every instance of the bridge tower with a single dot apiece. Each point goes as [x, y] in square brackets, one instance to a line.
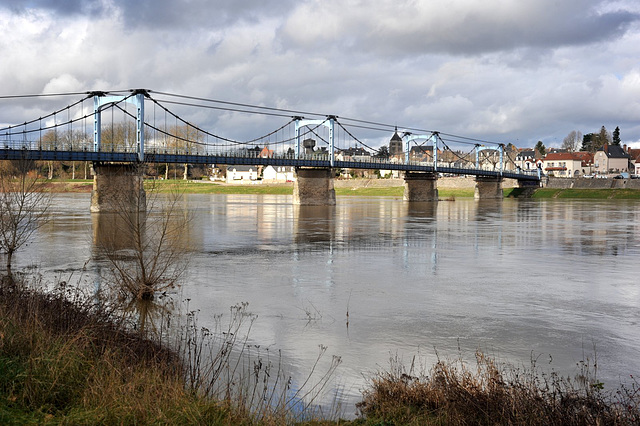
[313, 186]
[118, 187]
[489, 187]
[421, 186]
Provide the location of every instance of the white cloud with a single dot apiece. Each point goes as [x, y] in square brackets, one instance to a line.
[514, 71]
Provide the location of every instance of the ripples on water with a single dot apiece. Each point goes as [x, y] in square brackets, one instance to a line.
[514, 278]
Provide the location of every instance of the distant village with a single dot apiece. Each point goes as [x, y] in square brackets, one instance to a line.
[601, 157]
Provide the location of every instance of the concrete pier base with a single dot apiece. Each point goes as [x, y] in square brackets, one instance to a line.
[314, 187]
[117, 188]
[526, 188]
[488, 188]
[420, 187]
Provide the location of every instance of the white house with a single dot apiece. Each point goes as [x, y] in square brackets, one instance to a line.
[242, 174]
[562, 164]
[278, 174]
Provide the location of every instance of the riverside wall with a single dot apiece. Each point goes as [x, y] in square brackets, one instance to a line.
[443, 183]
[592, 183]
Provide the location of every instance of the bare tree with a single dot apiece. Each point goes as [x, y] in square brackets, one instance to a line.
[147, 250]
[24, 201]
[184, 139]
[572, 141]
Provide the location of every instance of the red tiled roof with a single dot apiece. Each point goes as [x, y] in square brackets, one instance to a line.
[584, 155]
[635, 154]
[555, 156]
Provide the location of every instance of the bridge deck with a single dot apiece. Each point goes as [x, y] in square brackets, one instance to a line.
[160, 157]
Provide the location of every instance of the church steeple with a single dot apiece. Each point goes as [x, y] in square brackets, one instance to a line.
[395, 144]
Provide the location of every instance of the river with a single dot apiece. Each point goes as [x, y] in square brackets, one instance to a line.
[374, 278]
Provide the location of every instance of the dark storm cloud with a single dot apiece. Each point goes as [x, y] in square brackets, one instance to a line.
[198, 13]
[477, 36]
[164, 14]
[62, 7]
[461, 27]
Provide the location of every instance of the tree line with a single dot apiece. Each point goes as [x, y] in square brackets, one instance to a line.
[590, 142]
[120, 137]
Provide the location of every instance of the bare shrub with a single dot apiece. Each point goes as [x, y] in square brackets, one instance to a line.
[145, 248]
[454, 393]
[222, 364]
[24, 201]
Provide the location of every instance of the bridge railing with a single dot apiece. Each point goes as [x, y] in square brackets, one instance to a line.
[195, 150]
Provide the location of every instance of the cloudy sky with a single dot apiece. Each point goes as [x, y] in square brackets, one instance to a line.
[502, 70]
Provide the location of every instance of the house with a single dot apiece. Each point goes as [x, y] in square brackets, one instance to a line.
[242, 174]
[278, 174]
[634, 161]
[526, 160]
[587, 162]
[562, 164]
[353, 154]
[422, 153]
[611, 159]
[266, 153]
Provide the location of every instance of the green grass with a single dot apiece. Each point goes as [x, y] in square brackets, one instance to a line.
[456, 193]
[216, 188]
[204, 187]
[595, 194]
[392, 191]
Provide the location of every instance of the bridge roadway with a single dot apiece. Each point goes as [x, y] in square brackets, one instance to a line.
[152, 156]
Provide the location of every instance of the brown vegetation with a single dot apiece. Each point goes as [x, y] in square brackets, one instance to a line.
[24, 201]
[146, 250]
[456, 394]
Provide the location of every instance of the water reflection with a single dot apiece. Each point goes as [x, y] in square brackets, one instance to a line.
[488, 220]
[511, 277]
[151, 317]
[112, 230]
[313, 224]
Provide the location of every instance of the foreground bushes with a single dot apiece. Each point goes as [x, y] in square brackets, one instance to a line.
[61, 362]
[453, 393]
[67, 359]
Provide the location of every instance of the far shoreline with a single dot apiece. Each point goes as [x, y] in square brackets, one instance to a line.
[353, 187]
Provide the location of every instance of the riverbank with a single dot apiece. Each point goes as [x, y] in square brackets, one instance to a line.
[448, 189]
[64, 362]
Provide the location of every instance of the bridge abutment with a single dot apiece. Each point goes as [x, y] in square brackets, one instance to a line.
[314, 187]
[117, 188]
[526, 188]
[488, 188]
[420, 187]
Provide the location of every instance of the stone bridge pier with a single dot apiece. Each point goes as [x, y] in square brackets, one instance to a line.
[314, 187]
[117, 188]
[488, 188]
[419, 186]
[526, 188]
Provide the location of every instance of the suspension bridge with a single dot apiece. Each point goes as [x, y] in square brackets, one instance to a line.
[141, 126]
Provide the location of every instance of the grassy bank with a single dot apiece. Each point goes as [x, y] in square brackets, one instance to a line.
[64, 362]
[600, 194]
[196, 187]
